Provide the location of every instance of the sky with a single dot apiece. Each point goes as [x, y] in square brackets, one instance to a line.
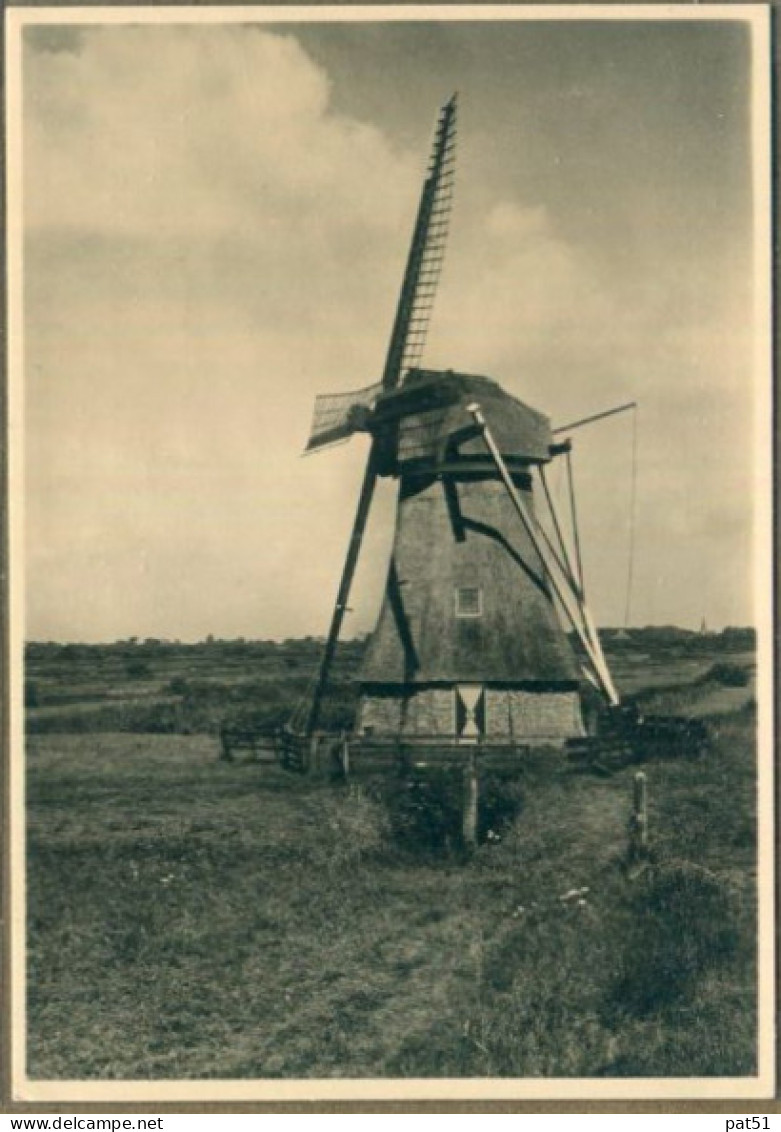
[216, 218]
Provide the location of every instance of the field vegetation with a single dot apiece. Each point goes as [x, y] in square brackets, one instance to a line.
[193, 918]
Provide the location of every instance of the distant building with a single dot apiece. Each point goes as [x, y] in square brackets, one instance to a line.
[620, 636]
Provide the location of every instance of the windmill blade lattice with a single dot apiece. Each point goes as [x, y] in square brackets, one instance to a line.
[441, 174]
[426, 254]
[337, 416]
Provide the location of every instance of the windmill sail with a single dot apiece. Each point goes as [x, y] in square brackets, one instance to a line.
[426, 253]
[338, 415]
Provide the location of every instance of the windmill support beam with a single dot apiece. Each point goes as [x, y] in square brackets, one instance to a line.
[574, 520]
[565, 594]
[576, 581]
[343, 593]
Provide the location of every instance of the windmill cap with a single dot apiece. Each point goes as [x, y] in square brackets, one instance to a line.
[434, 405]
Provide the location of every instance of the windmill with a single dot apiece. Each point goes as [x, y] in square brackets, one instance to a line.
[469, 647]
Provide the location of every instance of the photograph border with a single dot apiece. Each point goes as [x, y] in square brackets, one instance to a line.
[202, 1092]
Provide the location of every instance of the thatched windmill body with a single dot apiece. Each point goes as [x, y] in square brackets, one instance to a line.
[469, 646]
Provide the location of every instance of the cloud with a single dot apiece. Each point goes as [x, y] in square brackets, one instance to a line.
[194, 214]
[517, 297]
[196, 130]
[209, 244]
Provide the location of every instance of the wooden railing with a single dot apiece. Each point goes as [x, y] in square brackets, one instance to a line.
[347, 753]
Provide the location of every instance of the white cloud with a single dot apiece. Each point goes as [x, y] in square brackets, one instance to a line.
[197, 130]
[508, 220]
[209, 244]
[195, 214]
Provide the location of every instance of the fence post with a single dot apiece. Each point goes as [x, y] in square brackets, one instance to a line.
[469, 812]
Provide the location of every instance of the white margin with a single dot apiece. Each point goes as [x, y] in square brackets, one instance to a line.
[411, 1089]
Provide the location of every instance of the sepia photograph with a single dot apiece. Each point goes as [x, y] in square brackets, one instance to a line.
[390, 481]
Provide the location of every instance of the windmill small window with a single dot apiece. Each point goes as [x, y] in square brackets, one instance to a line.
[469, 601]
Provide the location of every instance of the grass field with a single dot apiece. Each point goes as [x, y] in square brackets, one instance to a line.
[190, 918]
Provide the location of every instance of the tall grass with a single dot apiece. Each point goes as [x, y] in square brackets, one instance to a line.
[189, 918]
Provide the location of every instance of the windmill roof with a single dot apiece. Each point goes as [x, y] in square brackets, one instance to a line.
[432, 407]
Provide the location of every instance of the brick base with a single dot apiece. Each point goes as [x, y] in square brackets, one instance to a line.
[517, 713]
[512, 713]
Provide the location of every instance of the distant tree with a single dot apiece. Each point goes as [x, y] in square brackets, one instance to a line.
[738, 639]
[730, 675]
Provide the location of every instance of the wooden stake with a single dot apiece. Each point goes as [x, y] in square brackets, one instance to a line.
[340, 608]
[469, 812]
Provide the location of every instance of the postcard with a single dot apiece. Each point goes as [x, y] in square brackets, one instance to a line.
[390, 553]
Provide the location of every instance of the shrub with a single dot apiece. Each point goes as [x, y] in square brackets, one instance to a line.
[726, 673]
[425, 812]
[686, 921]
[501, 801]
